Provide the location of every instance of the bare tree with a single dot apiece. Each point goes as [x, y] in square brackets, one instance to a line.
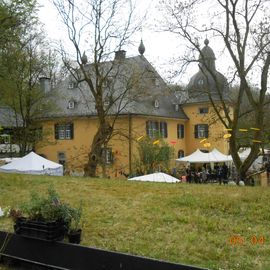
[96, 29]
[242, 27]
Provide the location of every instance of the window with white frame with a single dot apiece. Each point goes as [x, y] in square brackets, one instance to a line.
[64, 131]
[156, 104]
[107, 155]
[152, 128]
[155, 128]
[201, 131]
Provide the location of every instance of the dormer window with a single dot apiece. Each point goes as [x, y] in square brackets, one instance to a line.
[71, 104]
[200, 82]
[106, 101]
[156, 104]
[72, 85]
[176, 107]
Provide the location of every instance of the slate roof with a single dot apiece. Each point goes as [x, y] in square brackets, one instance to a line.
[143, 104]
[201, 83]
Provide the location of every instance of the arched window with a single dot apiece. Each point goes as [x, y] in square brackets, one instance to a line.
[181, 153]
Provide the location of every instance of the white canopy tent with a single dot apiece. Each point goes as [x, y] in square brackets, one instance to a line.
[33, 164]
[199, 157]
[156, 177]
[8, 160]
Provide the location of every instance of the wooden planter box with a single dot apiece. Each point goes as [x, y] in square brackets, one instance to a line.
[50, 231]
[63, 256]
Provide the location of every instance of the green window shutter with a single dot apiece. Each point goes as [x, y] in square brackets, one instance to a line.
[56, 134]
[163, 129]
[183, 131]
[196, 131]
[166, 130]
[71, 131]
[206, 131]
[147, 128]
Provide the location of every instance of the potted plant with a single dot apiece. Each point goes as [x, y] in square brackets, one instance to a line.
[43, 217]
[74, 232]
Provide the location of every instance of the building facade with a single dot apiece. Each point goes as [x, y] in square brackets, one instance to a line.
[153, 108]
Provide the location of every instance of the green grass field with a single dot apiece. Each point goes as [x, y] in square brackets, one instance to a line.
[182, 223]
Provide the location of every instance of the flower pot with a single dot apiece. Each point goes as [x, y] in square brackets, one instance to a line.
[51, 230]
[74, 237]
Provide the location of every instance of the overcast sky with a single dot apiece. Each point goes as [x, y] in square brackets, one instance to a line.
[161, 47]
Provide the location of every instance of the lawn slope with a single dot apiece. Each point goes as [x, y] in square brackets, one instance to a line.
[191, 224]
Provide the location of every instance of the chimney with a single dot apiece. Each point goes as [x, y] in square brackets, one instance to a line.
[120, 55]
[45, 84]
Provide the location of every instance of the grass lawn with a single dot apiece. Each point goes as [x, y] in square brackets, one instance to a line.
[182, 223]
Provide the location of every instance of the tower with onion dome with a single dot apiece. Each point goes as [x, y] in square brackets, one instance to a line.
[207, 82]
[207, 85]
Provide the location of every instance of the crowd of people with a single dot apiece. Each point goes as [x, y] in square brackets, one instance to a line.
[220, 173]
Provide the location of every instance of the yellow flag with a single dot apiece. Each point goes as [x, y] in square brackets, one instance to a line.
[156, 142]
[203, 140]
[242, 129]
[138, 139]
[253, 128]
[226, 136]
[256, 141]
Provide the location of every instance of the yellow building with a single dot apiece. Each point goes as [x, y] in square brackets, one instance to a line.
[182, 120]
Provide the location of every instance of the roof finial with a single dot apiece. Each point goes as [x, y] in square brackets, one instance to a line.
[206, 41]
[84, 59]
[141, 48]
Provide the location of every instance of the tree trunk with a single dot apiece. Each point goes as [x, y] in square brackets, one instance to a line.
[95, 155]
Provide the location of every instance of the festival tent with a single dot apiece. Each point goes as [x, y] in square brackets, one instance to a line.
[8, 160]
[33, 164]
[195, 157]
[156, 177]
[218, 156]
[200, 157]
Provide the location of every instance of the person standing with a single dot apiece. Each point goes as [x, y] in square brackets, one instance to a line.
[219, 174]
[267, 168]
[225, 174]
